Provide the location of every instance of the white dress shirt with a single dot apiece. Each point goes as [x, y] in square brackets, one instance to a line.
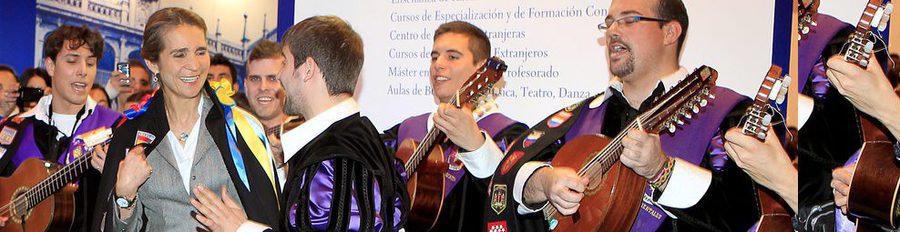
[184, 155]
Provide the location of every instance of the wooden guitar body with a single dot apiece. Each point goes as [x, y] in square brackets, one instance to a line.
[874, 188]
[425, 186]
[611, 202]
[56, 213]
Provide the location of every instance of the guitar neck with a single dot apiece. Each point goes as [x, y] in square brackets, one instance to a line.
[431, 138]
[757, 116]
[859, 46]
[476, 87]
[58, 179]
[666, 113]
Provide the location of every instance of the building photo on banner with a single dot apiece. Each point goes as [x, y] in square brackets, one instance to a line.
[234, 26]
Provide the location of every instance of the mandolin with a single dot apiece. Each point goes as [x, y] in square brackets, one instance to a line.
[612, 198]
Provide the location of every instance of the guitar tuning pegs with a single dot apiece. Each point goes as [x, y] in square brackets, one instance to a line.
[703, 102]
[687, 115]
[679, 121]
[869, 46]
[888, 9]
[766, 120]
[695, 109]
[786, 83]
[671, 127]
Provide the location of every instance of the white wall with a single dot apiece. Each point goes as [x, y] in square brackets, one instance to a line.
[735, 37]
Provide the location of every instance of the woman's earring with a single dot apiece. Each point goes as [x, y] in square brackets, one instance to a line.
[156, 77]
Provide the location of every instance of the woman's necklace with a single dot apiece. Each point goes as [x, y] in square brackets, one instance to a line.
[183, 137]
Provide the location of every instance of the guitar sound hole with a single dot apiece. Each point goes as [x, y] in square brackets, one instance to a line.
[20, 210]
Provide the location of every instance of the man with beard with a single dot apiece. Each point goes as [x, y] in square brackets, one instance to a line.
[693, 186]
[266, 96]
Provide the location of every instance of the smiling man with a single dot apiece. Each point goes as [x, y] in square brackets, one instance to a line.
[478, 136]
[265, 94]
[46, 131]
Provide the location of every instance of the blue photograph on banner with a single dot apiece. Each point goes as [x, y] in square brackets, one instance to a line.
[234, 26]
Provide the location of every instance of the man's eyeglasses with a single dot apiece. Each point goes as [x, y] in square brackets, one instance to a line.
[627, 20]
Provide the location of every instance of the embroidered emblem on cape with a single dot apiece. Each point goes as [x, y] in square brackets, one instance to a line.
[450, 177]
[558, 119]
[498, 198]
[498, 226]
[144, 138]
[534, 136]
[453, 161]
[7, 135]
[510, 161]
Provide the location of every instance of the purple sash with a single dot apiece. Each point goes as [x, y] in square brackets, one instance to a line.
[101, 117]
[810, 49]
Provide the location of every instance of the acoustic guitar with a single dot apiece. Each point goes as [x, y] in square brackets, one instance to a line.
[424, 161]
[755, 123]
[876, 180]
[39, 196]
[612, 198]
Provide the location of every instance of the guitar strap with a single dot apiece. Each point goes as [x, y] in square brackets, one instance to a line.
[498, 215]
[8, 131]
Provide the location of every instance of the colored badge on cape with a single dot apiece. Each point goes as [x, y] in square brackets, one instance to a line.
[453, 161]
[498, 198]
[532, 137]
[144, 137]
[559, 118]
[498, 226]
[510, 161]
[7, 135]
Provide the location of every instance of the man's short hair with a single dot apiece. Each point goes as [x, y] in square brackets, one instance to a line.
[9, 69]
[479, 44]
[220, 59]
[40, 72]
[77, 36]
[137, 63]
[265, 49]
[674, 10]
[333, 44]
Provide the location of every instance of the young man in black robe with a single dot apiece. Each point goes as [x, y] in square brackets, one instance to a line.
[478, 137]
[342, 177]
